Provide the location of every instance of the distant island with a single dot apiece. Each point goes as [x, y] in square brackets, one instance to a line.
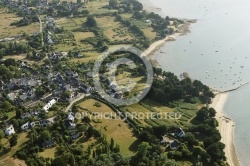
[47, 53]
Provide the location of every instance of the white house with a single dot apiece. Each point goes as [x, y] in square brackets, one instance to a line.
[9, 130]
[49, 105]
[25, 126]
[32, 124]
[71, 116]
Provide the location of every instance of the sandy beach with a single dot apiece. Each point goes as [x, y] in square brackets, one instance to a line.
[226, 128]
[182, 29]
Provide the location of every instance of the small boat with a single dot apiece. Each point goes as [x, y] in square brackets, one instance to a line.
[242, 66]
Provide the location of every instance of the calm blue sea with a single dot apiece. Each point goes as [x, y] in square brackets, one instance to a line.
[217, 52]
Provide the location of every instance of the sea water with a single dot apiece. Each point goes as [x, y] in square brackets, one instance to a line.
[216, 52]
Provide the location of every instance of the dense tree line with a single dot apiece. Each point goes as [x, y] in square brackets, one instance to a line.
[13, 48]
[27, 20]
[167, 88]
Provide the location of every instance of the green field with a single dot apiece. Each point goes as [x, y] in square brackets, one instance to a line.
[112, 128]
[9, 31]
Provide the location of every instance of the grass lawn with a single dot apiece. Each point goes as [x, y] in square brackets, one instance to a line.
[96, 8]
[149, 33]
[140, 23]
[112, 128]
[48, 153]
[8, 31]
[82, 35]
[88, 56]
[106, 22]
[125, 78]
[21, 142]
[9, 161]
[158, 107]
[11, 114]
[126, 15]
[85, 142]
[70, 23]
[64, 47]
[113, 29]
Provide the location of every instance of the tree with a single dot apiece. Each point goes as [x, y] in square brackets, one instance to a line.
[45, 135]
[112, 143]
[191, 139]
[86, 119]
[91, 22]
[66, 94]
[113, 4]
[143, 148]
[216, 151]
[10, 62]
[59, 161]
[72, 160]
[18, 113]
[13, 140]
[206, 113]
[1, 135]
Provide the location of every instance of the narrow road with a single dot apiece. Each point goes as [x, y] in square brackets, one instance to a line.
[41, 29]
[75, 100]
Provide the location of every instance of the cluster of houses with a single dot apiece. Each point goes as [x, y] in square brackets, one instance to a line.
[23, 90]
[173, 143]
[69, 123]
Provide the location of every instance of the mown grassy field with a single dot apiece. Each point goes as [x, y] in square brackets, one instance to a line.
[113, 29]
[48, 153]
[112, 128]
[10, 161]
[21, 142]
[97, 8]
[8, 31]
[70, 23]
[82, 35]
[87, 56]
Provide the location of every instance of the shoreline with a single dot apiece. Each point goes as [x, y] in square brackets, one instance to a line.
[226, 125]
[182, 30]
[226, 128]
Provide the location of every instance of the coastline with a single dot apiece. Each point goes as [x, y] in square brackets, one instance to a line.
[181, 29]
[226, 128]
[226, 125]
